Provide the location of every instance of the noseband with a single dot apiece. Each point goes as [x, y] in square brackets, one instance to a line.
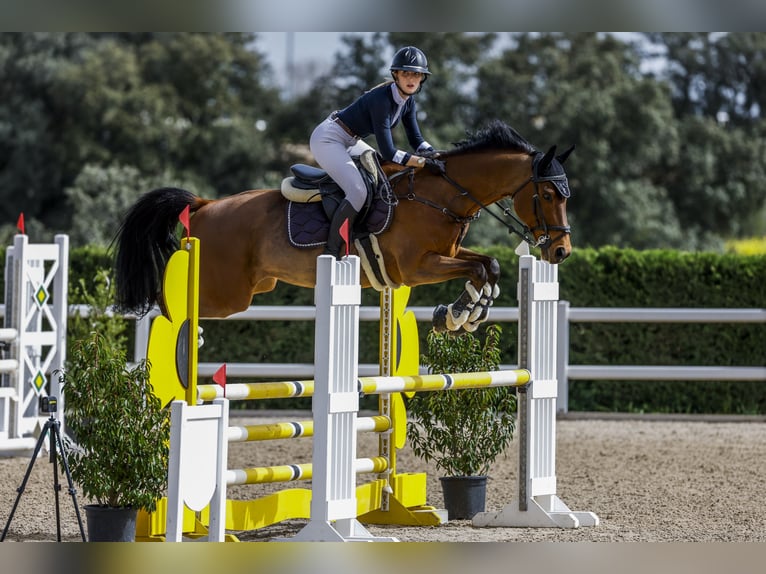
[562, 188]
[516, 226]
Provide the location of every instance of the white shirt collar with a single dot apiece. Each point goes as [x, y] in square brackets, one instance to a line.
[397, 96]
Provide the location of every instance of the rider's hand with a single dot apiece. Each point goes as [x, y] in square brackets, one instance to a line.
[435, 166]
[430, 152]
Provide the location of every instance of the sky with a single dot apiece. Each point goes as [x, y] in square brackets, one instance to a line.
[312, 52]
[315, 49]
[307, 45]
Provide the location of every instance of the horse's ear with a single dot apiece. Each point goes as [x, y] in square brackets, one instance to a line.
[563, 156]
[546, 159]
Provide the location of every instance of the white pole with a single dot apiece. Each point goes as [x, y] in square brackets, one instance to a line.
[335, 404]
[537, 504]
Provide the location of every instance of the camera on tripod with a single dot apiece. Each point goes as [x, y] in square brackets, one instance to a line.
[48, 404]
[51, 429]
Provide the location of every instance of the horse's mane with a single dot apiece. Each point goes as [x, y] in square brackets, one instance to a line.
[496, 135]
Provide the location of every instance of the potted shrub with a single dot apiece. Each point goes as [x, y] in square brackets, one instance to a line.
[118, 432]
[463, 431]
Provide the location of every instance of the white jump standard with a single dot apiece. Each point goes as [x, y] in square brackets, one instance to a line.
[33, 338]
[335, 404]
[537, 504]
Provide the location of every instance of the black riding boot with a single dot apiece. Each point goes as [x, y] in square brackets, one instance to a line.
[335, 243]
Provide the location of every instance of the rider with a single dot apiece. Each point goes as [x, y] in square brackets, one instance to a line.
[376, 111]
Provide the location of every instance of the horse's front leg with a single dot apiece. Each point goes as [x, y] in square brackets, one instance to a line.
[472, 307]
[482, 300]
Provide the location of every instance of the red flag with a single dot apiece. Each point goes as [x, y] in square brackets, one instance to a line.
[184, 219]
[20, 223]
[220, 377]
[343, 231]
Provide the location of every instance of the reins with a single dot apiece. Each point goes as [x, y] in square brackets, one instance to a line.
[410, 172]
[520, 228]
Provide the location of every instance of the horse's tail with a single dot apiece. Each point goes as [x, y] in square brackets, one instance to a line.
[144, 242]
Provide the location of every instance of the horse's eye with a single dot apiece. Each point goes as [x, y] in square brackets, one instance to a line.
[547, 196]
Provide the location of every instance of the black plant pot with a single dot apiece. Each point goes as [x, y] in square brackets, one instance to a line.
[111, 524]
[464, 496]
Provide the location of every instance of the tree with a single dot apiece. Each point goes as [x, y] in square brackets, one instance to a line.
[180, 104]
[586, 89]
[101, 195]
[669, 127]
[716, 83]
[34, 159]
[721, 76]
[717, 183]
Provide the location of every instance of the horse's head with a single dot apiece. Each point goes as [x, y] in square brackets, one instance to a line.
[541, 205]
[539, 198]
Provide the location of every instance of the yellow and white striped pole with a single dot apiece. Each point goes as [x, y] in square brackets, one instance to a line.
[370, 385]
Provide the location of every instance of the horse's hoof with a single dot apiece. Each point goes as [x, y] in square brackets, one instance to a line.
[439, 319]
[477, 313]
[455, 317]
[483, 316]
[472, 292]
[471, 327]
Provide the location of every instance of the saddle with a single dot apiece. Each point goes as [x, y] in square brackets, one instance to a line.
[313, 196]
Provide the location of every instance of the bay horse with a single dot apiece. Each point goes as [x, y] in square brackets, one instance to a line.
[244, 247]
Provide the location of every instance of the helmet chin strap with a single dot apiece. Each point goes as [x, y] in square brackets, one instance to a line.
[402, 92]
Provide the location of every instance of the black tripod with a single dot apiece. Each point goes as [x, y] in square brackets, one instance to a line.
[54, 427]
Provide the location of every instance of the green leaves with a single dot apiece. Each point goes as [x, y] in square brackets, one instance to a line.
[668, 150]
[98, 295]
[669, 127]
[462, 431]
[174, 106]
[119, 448]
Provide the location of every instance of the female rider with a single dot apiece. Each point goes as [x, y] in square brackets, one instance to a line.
[377, 112]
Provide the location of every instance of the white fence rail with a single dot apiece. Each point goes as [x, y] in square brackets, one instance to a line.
[566, 316]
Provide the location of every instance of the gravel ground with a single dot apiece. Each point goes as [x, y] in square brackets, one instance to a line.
[647, 480]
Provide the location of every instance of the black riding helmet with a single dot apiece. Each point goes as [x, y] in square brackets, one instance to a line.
[411, 59]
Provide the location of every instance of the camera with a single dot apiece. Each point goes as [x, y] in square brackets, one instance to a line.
[48, 404]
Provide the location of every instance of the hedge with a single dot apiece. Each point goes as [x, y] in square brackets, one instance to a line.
[605, 277]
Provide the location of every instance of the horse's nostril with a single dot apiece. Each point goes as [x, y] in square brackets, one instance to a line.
[561, 254]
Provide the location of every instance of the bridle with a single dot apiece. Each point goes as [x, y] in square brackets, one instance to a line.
[516, 226]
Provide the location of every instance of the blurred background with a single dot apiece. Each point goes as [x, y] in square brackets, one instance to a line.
[669, 127]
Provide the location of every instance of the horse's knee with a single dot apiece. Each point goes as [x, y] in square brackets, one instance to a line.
[488, 272]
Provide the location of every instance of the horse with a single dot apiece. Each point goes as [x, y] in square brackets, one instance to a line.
[244, 247]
